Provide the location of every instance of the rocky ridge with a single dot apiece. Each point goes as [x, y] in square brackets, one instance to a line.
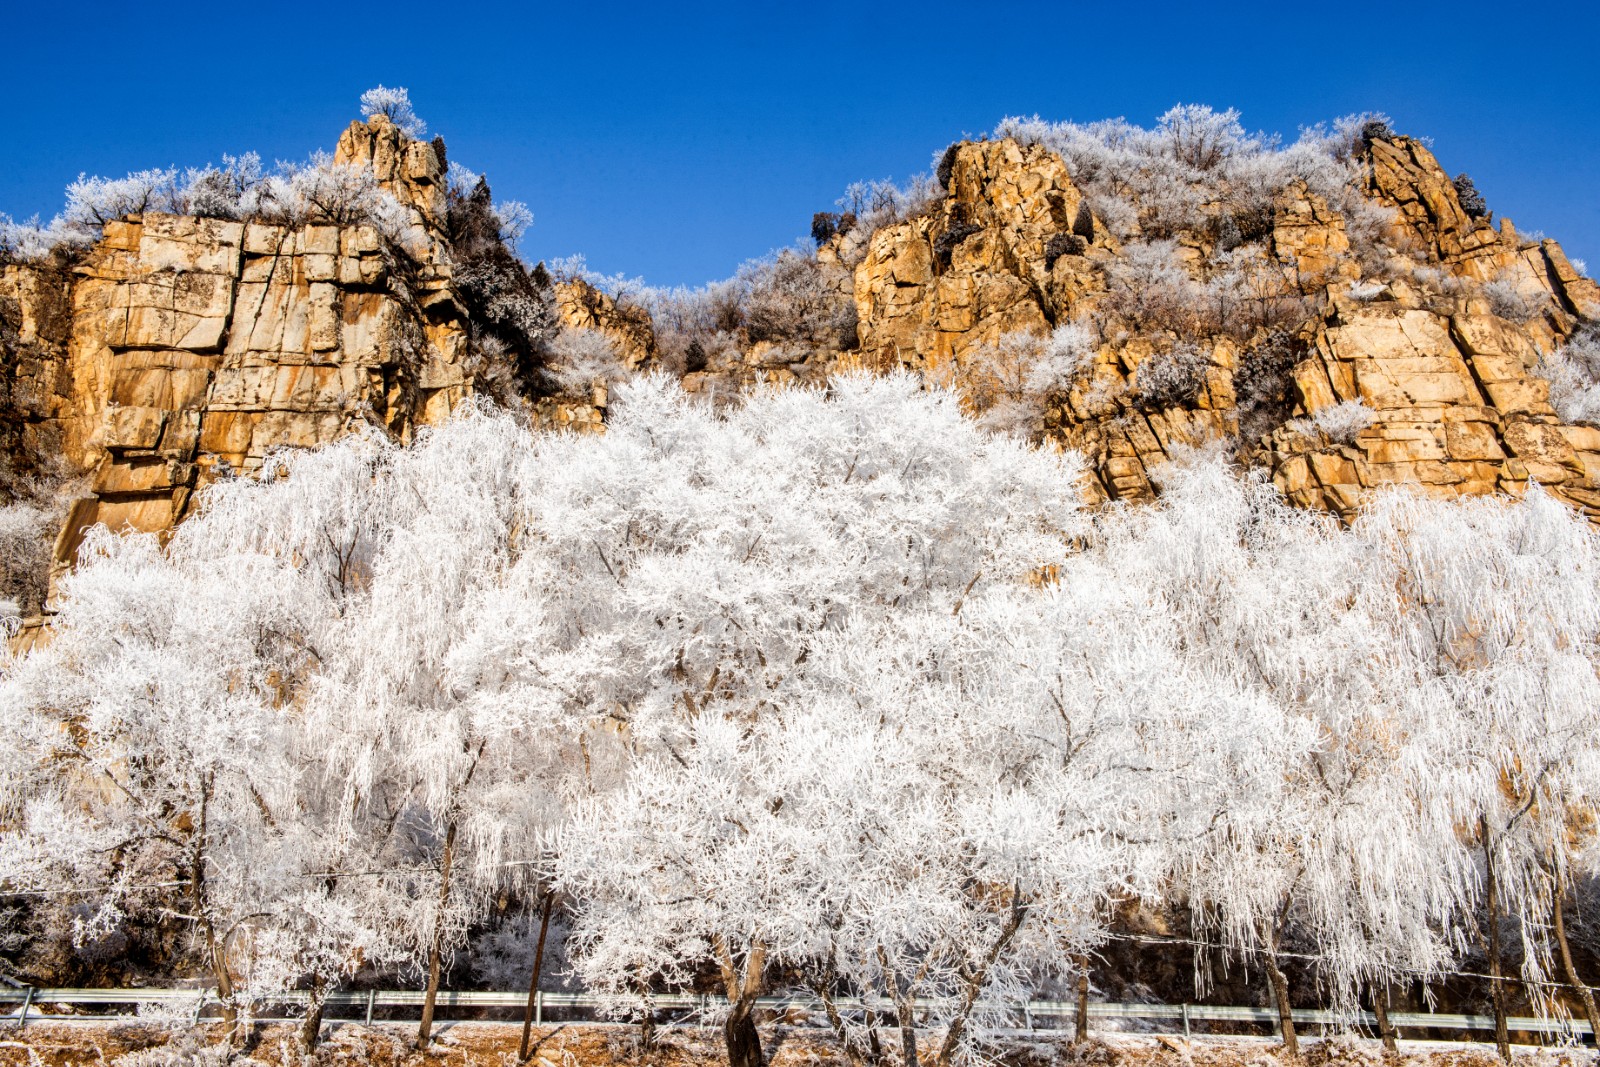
[1449, 380]
[179, 349]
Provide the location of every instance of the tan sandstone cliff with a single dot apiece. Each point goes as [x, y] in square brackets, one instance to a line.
[1457, 406]
[178, 348]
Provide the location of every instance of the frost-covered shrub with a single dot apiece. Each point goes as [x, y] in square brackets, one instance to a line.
[27, 532]
[1199, 166]
[231, 191]
[394, 104]
[582, 359]
[1573, 371]
[1341, 422]
[1150, 289]
[1008, 383]
[31, 241]
[94, 201]
[794, 297]
[882, 203]
[1366, 292]
[507, 301]
[1247, 292]
[1170, 377]
[1509, 302]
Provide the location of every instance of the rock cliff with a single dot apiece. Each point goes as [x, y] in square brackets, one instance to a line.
[178, 349]
[1421, 335]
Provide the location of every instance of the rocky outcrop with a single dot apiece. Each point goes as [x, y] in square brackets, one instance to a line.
[1439, 340]
[178, 348]
[583, 307]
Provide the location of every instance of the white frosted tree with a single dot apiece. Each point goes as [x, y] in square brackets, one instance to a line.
[1495, 604]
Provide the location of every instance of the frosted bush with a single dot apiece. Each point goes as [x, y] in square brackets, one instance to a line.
[1197, 163]
[581, 359]
[230, 191]
[1008, 383]
[1341, 422]
[1170, 377]
[93, 202]
[1366, 292]
[32, 241]
[394, 104]
[1507, 301]
[27, 532]
[1573, 371]
[882, 203]
[1151, 290]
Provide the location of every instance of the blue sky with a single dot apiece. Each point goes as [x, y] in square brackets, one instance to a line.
[674, 142]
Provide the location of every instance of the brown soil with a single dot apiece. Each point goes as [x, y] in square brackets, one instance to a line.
[53, 1044]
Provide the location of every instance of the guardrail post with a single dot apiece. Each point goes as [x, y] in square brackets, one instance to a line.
[1186, 1022]
[538, 1007]
[371, 996]
[199, 1008]
[27, 1002]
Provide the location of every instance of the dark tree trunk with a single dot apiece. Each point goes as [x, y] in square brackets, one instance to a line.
[1584, 993]
[216, 947]
[973, 981]
[1380, 1008]
[533, 982]
[1497, 983]
[1080, 1030]
[822, 986]
[1280, 987]
[311, 1025]
[905, 1014]
[743, 1040]
[739, 1029]
[436, 945]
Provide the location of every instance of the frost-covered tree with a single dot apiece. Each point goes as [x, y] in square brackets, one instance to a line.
[726, 550]
[1497, 610]
[394, 105]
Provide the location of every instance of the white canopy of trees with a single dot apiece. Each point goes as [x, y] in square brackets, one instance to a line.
[832, 688]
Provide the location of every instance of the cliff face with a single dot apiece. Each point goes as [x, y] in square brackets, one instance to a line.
[179, 348]
[1417, 338]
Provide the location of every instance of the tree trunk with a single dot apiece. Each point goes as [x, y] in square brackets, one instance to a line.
[822, 986]
[904, 1009]
[973, 981]
[533, 982]
[1578, 987]
[311, 1025]
[1280, 989]
[216, 947]
[740, 1034]
[739, 1029]
[1497, 984]
[1380, 1008]
[905, 1015]
[436, 947]
[1080, 1029]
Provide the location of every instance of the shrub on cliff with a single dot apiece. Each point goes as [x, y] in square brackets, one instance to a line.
[508, 301]
[395, 105]
[1573, 371]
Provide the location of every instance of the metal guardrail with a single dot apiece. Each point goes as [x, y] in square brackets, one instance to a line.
[1181, 1016]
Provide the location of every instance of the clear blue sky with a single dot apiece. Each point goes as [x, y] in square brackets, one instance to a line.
[675, 141]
